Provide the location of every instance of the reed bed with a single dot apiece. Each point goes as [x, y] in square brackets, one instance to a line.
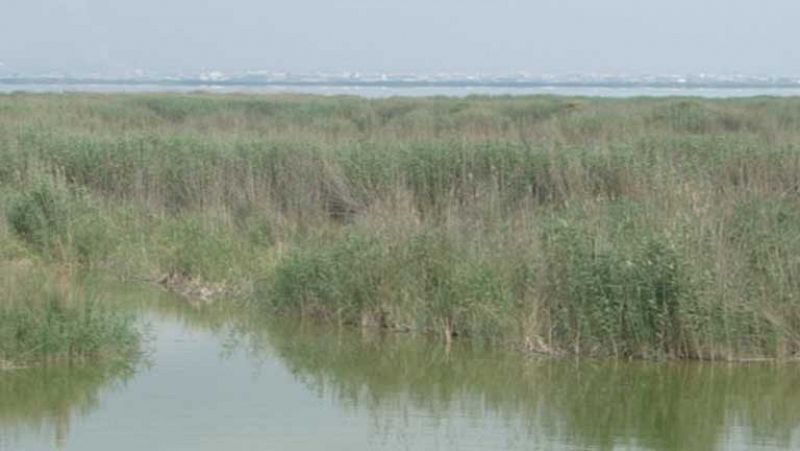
[659, 228]
[46, 317]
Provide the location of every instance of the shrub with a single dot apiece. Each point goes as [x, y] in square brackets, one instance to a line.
[622, 295]
[45, 320]
[40, 215]
[59, 222]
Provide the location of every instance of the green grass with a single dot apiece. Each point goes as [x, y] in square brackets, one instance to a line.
[44, 320]
[659, 228]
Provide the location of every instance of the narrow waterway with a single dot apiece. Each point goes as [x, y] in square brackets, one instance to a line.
[218, 380]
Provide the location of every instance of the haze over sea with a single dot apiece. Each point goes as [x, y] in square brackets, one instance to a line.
[416, 85]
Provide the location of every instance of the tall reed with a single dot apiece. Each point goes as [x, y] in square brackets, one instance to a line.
[636, 227]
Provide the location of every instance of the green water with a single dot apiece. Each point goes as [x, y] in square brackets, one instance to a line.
[217, 380]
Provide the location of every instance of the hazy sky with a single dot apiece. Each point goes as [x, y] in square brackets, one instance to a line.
[542, 36]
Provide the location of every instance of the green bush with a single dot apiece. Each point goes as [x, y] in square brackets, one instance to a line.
[42, 322]
[60, 222]
[621, 293]
[189, 248]
[341, 279]
[424, 281]
[40, 215]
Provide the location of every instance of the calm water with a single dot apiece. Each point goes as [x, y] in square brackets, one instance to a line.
[217, 381]
[377, 92]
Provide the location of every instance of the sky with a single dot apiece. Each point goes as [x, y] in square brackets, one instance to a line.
[753, 37]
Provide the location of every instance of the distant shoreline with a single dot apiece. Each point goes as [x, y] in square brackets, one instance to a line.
[376, 89]
[368, 83]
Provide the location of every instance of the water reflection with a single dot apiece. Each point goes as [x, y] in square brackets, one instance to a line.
[47, 400]
[597, 405]
[221, 378]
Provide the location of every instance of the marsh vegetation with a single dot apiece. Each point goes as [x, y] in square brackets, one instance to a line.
[46, 318]
[658, 228]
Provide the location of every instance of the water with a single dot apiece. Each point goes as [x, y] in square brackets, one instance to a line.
[379, 92]
[217, 380]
